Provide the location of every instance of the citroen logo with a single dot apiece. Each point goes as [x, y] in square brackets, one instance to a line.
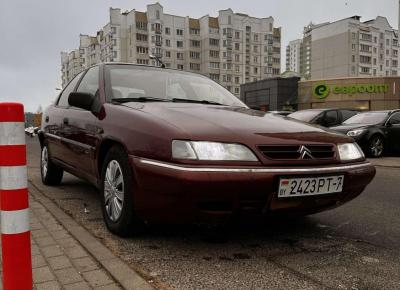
[305, 153]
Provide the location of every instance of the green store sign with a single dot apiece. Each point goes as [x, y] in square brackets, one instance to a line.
[321, 90]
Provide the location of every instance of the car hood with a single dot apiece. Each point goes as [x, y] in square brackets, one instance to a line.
[234, 124]
[344, 128]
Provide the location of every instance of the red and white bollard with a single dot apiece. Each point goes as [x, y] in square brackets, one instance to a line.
[14, 205]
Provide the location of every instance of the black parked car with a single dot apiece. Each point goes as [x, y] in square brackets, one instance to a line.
[324, 117]
[375, 131]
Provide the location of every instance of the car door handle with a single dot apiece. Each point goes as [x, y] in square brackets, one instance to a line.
[66, 121]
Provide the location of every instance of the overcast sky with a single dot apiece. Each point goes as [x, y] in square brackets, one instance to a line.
[33, 32]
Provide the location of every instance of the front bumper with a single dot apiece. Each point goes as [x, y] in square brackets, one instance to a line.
[165, 192]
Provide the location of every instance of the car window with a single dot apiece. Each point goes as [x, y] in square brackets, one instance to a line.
[90, 82]
[331, 118]
[395, 119]
[346, 114]
[305, 115]
[134, 82]
[63, 100]
[367, 118]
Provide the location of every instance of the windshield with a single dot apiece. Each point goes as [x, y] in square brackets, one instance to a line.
[305, 115]
[367, 118]
[134, 82]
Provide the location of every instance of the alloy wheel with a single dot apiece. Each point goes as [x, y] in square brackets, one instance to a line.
[377, 146]
[45, 161]
[114, 190]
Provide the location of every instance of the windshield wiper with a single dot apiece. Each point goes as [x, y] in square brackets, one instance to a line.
[139, 99]
[178, 100]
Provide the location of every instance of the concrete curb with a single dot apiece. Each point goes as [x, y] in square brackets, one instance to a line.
[119, 270]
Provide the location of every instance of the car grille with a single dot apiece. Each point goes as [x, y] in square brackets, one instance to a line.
[297, 152]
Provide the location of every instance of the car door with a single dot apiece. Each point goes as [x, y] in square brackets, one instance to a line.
[53, 122]
[80, 128]
[393, 132]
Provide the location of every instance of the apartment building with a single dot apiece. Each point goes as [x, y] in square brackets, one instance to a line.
[232, 48]
[350, 48]
[293, 50]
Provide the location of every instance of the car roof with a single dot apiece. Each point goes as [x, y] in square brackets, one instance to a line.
[327, 109]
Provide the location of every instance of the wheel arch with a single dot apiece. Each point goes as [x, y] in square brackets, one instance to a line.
[104, 147]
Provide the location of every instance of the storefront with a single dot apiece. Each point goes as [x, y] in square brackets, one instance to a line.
[373, 93]
[271, 94]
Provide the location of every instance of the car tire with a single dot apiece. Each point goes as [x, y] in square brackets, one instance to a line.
[51, 174]
[117, 194]
[376, 146]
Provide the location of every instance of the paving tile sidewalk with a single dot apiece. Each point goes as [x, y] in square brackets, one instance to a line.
[58, 260]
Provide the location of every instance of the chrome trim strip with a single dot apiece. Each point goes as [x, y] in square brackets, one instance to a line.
[253, 170]
[73, 142]
[53, 136]
[76, 143]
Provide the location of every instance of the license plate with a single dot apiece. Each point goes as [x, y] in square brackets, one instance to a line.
[294, 187]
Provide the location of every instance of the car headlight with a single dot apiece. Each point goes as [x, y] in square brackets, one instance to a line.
[350, 151]
[203, 150]
[356, 132]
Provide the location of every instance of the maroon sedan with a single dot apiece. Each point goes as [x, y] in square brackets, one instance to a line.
[169, 146]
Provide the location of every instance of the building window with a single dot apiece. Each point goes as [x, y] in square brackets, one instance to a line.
[168, 42]
[365, 70]
[237, 46]
[255, 48]
[113, 30]
[353, 35]
[256, 70]
[237, 79]
[195, 55]
[179, 55]
[237, 34]
[194, 31]
[194, 66]
[195, 43]
[167, 30]
[276, 71]
[179, 32]
[237, 90]
[142, 50]
[366, 37]
[179, 44]
[214, 53]
[158, 14]
[214, 65]
[229, 20]
[365, 48]
[365, 59]
[214, 77]
[180, 66]
[141, 37]
[214, 42]
[141, 25]
[237, 57]
[255, 37]
[167, 54]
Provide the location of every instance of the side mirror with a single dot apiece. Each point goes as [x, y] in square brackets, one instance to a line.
[84, 101]
[389, 124]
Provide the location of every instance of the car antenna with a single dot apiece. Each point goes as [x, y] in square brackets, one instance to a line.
[158, 60]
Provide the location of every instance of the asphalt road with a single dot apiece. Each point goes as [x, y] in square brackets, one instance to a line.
[353, 247]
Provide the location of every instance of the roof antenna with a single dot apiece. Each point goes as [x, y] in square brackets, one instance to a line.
[158, 60]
